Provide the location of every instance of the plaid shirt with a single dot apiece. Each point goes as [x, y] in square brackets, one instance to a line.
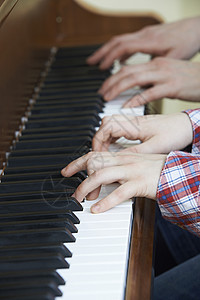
[179, 184]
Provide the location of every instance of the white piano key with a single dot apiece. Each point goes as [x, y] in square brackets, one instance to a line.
[93, 249]
[100, 254]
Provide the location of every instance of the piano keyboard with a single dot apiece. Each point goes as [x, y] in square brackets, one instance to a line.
[52, 247]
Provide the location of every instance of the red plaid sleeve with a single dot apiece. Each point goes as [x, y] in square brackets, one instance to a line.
[179, 184]
[178, 190]
[194, 115]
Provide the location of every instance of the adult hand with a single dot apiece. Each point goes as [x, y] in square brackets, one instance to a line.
[158, 133]
[179, 40]
[138, 175]
[164, 77]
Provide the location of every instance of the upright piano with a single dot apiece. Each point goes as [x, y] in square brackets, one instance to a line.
[49, 108]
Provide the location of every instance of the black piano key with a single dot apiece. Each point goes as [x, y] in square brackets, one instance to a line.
[70, 121]
[48, 151]
[26, 284]
[35, 249]
[48, 184]
[50, 79]
[31, 292]
[66, 108]
[9, 226]
[56, 102]
[33, 262]
[85, 127]
[50, 235]
[38, 216]
[65, 114]
[36, 176]
[70, 84]
[33, 169]
[64, 97]
[35, 205]
[66, 134]
[53, 143]
[27, 277]
[76, 51]
[70, 72]
[68, 91]
[62, 159]
[41, 295]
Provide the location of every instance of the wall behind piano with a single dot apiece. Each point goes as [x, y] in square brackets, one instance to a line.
[170, 11]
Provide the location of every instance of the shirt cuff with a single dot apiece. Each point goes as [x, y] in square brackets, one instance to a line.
[194, 115]
[178, 190]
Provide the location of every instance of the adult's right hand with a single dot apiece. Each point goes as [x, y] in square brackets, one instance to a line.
[179, 40]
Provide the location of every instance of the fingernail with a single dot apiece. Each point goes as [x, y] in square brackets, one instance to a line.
[95, 209]
[107, 96]
[63, 171]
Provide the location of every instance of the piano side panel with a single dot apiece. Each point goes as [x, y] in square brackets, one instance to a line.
[20, 62]
[139, 280]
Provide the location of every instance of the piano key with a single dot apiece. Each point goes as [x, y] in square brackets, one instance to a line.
[66, 134]
[48, 151]
[67, 185]
[38, 215]
[45, 261]
[34, 205]
[53, 143]
[34, 291]
[35, 249]
[41, 295]
[42, 224]
[69, 91]
[86, 127]
[61, 159]
[26, 277]
[50, 78]
[76, 51]
[74, 101]
[33, 169]
[70, 121]
[63, 97]
[74, 114]
[50, 235]
[41, 175]
[70, 84]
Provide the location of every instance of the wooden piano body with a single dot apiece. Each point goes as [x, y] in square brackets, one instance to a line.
[28, 29]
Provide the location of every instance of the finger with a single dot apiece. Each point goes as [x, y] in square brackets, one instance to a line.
[94, 194]
[132, 80]
[151, 94]
[122, 193]
[104, 176]
[127, 48]
[106, 135]
[124, 73]
[118, 51]
[98, 55]
[77, 165]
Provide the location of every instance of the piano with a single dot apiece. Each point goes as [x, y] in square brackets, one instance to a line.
[49, 111]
